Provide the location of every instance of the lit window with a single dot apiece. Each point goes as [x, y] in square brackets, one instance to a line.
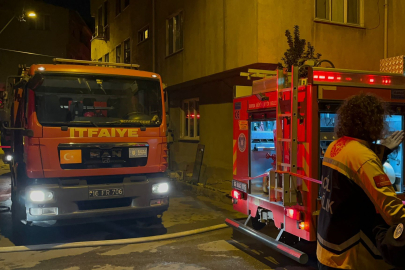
[118, 54]
[174, 34]
[340, 11]
[190, 119]
[127, 51]
[143, 34]
[117, 7]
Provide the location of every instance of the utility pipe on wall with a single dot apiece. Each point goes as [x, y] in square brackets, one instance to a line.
[153, 38]
[386, 29]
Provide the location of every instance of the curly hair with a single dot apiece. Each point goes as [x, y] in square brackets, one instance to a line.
[362, 117]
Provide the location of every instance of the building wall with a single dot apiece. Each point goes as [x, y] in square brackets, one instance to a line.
[396, 23]
[347, 47]
[18, 36]
[214, 40]
[79, 37]
[216, 127]
[122, 27]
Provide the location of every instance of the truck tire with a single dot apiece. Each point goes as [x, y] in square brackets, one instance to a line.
[20, 230]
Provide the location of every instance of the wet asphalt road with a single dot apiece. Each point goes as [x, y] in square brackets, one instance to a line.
[221, 249]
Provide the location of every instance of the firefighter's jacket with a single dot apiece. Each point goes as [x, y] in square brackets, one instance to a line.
[356, 195]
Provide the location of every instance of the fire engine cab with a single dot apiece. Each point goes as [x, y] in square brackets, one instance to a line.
[282, 126]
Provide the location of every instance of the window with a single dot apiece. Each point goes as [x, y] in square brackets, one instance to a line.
[105, 13]
[118, 54]
[100, 59]
[340, 11]
[190, 119]
[174, 34]
[107, 58]
[100, 17]
[41, 22]
[126, 3]
[127, 51]
[117, 7]
[143, 34]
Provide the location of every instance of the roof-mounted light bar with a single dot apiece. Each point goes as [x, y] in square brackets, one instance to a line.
[94, 63]
[356, 78]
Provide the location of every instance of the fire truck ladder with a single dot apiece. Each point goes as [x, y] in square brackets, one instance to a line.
[283, 185]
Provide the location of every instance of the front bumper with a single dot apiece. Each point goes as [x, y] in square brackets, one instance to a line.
[70, 203]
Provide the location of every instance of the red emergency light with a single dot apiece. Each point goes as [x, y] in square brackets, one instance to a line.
[236, 194]
[345, 77]
[293, 213]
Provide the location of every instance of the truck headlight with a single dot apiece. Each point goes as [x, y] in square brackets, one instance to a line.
[40, 196]
[160, 188]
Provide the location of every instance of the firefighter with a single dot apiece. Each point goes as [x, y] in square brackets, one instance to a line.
[356, 194]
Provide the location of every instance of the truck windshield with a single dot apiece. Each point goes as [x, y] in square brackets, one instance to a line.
[93, 100]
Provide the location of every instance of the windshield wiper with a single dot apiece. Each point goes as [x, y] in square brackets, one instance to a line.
[83, 122]
[130, 123]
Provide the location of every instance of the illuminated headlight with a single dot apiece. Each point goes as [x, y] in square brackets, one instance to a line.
[160, 188]
[40, 196]
[9, 157]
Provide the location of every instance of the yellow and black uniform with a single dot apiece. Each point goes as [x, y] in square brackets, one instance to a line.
[356, 195]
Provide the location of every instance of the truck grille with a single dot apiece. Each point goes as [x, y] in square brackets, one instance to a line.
[104, 204]
[96, 156]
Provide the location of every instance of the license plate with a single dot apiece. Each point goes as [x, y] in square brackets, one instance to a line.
[239, 186]
[106, 192]
[138, 152]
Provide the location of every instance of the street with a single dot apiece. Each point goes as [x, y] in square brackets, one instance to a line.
[220, 249]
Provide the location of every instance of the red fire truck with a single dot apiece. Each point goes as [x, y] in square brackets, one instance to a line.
[87, 140]
[282, 126]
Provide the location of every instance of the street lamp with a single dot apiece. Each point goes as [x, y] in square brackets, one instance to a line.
[20, 18]
[32, 14]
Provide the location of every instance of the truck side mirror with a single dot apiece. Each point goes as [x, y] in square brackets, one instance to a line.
[35, 81]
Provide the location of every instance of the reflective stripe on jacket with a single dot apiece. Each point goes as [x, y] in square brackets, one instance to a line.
[355, 195]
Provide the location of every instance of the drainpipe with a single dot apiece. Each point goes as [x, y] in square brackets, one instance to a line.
[386, 29]
[153, 38]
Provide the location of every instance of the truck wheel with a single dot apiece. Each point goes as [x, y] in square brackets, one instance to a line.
[256, 224]
[20, 230]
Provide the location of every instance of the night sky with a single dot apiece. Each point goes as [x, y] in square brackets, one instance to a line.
[82, 6]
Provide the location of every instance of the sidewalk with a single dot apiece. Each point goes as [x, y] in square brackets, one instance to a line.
[218, 191]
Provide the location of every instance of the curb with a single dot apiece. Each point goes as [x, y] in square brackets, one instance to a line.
[111, 242]
[205, 191]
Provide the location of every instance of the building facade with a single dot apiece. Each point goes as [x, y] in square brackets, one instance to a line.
[198, 46]
[53, 32]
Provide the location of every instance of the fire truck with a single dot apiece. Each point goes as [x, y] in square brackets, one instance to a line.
[86, 142]
[282, 126]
